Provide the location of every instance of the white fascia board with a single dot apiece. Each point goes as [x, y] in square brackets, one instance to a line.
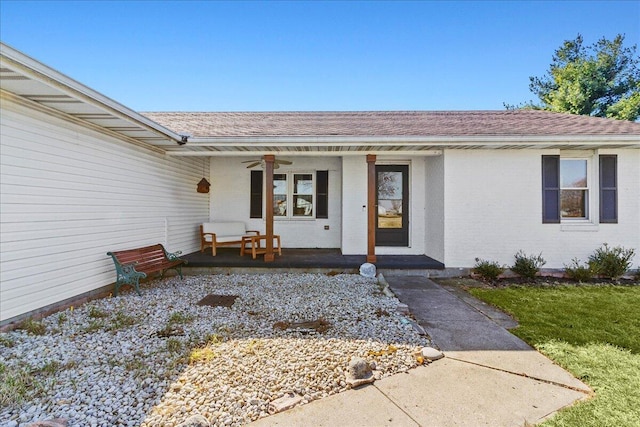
[596, 141]
[347, 141]
[414, 153]
[47, 75]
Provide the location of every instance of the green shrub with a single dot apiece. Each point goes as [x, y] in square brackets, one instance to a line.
[609, 262]
[527, 265]
[580, 273]
[487, 270]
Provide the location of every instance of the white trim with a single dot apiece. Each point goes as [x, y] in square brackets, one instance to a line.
[589, 218]
[37, 71]
[244, 153]
[510, 140]
[27, 103]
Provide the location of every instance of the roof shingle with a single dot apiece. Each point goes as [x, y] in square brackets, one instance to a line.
[391, 123]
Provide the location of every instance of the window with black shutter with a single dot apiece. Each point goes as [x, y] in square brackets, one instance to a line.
[608, 189]
[255, 207]
[322, 194]
[550, 189]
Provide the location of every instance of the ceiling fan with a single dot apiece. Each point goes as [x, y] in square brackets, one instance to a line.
[276, 163]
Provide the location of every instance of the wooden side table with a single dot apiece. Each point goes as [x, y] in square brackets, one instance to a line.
[256, 247]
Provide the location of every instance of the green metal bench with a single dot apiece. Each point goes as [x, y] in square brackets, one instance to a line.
[135, 264]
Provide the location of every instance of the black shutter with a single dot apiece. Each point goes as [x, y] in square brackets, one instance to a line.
[322, 194]
[609, 188]
[255, 207]
[550, 189]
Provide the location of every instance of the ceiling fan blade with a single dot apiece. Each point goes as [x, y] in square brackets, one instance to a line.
[249, 161]
[284, 162]
[252, 164]
[276, 165]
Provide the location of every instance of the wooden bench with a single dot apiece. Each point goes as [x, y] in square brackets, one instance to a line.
[214, 234]
[135, 264]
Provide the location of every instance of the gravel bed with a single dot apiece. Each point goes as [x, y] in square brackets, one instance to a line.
[159, 358]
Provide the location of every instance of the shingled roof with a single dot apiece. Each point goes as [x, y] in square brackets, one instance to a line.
[391, 124]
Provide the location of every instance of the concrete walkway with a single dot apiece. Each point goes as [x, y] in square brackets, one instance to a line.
[488, 377]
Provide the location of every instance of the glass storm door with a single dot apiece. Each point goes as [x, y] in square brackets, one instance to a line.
[392, 199]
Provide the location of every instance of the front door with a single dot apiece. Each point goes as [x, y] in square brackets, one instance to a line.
[392, 199]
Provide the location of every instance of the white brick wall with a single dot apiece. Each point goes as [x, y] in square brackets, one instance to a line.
[230, 183]
[493, 209]
[434, 207]
[354, 212]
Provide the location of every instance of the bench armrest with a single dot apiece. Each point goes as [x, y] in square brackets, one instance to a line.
[173, 256]
[129, 269]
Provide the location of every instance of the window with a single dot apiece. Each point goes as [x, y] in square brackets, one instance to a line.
[302, 194]
[295, 195]
[608, 188]
[574, 189]
[280, 194]
[566, 189]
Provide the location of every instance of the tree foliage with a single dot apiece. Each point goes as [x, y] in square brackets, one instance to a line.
[601, 80]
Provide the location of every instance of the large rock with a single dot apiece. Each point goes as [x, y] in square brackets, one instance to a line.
[368, 270]
[195, 421]
[431, 353]
[359, 372]
[283, 403]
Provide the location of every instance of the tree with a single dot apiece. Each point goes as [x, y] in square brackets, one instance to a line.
[601, 80]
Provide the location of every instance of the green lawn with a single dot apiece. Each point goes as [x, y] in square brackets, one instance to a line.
[593, 332]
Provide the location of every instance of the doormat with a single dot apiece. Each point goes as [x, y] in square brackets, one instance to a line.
[218, 300]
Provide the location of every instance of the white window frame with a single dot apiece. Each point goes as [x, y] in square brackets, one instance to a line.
[589, 190]
[290, 209]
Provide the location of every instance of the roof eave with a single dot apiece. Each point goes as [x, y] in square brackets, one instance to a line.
[38, 71]
[436, 140]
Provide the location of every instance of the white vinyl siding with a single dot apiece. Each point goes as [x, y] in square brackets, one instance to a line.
[69, 195]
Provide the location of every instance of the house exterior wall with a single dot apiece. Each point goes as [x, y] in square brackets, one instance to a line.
[417, 199]
[493, 208]
[354, 205]
[434, 207]
[70, 195]
[230, 184]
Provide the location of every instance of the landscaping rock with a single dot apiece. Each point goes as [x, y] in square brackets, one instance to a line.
[431, 353]
[368, 270]
[283, 403]
[195, 421]
[54, 422]
[359, 372]
[402, 308]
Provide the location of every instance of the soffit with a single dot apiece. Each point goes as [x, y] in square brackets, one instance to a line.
[37, 85]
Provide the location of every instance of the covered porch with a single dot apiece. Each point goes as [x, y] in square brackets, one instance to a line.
[316, 258]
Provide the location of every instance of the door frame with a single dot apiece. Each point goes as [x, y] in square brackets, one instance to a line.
[397, 237]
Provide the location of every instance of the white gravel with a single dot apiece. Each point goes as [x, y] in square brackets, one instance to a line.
[105, 363]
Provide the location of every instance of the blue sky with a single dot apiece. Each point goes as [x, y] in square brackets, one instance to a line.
[305, 56]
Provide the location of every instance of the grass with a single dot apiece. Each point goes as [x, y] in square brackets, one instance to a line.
[593, 332]
[34, 327]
